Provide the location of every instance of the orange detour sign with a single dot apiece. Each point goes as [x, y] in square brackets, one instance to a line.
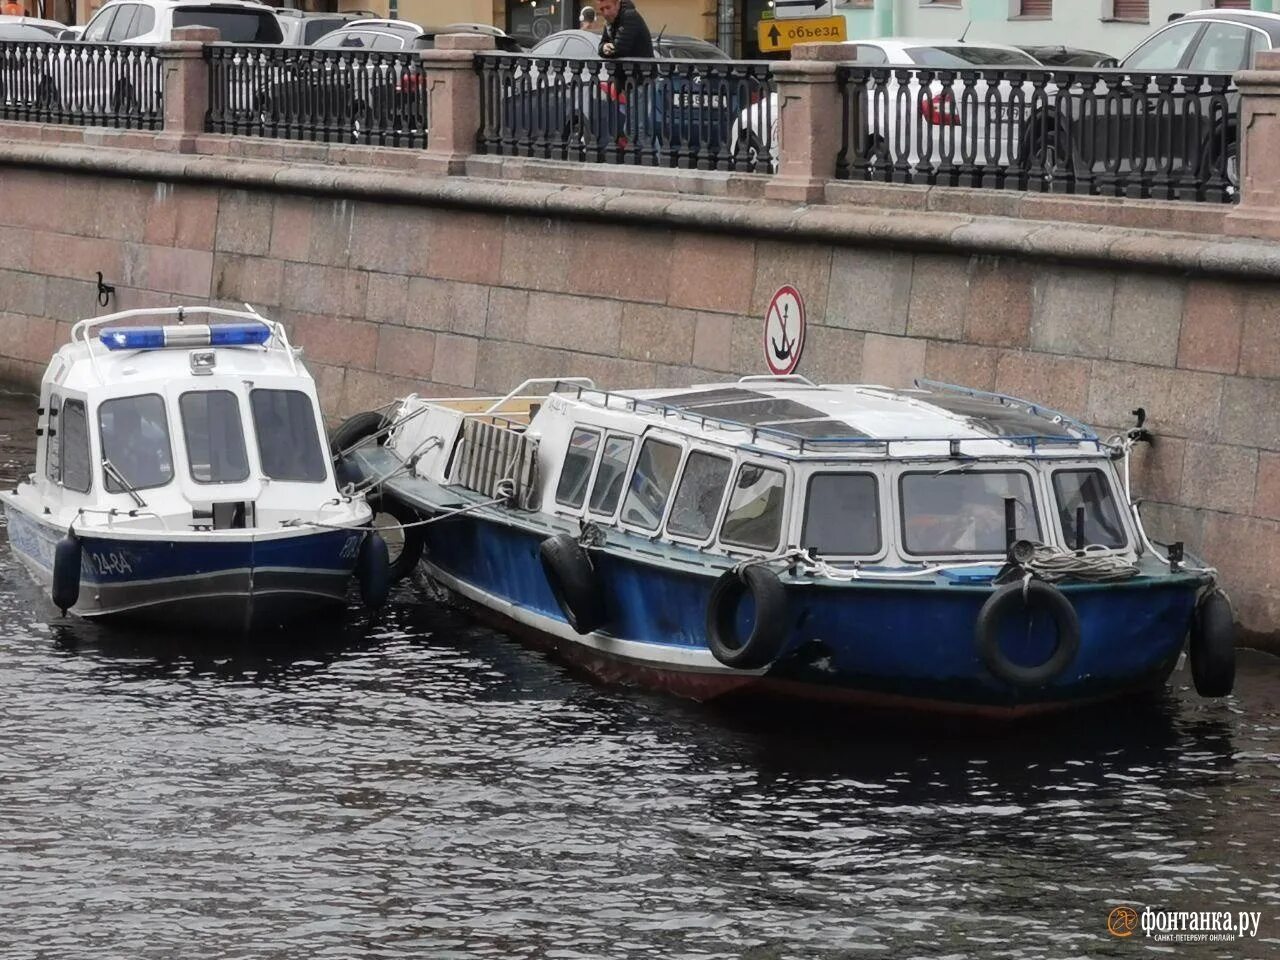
[784, 331]
[775, 36]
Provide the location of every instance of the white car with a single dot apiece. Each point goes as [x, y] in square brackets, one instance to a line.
[935, 113]
[81, 81]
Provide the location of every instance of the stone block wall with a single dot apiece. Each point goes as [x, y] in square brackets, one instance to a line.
[441, 298]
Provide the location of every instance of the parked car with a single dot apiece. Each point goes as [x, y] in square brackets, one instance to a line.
[1059, 56]
[8, 25]
[890, 128]
[301, 28]
[1158, 121]
[606, 105]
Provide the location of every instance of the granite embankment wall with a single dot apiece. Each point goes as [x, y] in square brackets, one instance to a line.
[396, 282]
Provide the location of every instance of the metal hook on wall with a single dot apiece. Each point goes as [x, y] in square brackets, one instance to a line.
[105, 290]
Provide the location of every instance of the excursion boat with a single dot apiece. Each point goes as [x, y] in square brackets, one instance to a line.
[936, 548]
[181, 477]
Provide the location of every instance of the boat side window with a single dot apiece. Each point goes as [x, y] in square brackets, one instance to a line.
[76, 472]
[52, 441]
[214, 436]
[651, 482]
[960, 512]
[754, 518]
[607, 489]
[842, 515]
[697, 502]
[288, 444]
[135, 438]
[1088, 489]
[575, 473]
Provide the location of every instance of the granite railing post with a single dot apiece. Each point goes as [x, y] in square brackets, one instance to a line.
[809, 121]
[453, 101]
[1258, 214]
[185, 76]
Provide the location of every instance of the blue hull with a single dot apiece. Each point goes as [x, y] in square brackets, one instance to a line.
[219, 582]
[895, 644]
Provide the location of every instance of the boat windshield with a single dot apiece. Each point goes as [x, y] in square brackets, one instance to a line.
[959, 513]
[288, 442]
[754, 517]
[135, 439]
[1088, 490]
[215, 439]
[842, 515]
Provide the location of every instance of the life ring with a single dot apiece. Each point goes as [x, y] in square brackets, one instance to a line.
[354, 429]
[402, 563]
[1009, 599]
[769, 632]
[1213, 646]
[573, 582]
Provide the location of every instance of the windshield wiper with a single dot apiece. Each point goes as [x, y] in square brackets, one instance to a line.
[114, 473]
[957, 467]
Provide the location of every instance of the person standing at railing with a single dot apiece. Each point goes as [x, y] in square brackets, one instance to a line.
[625, 33]
[587, 20]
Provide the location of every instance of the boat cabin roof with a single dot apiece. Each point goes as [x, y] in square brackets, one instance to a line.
[798, 418]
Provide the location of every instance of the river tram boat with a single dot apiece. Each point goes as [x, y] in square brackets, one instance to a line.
[935, 548]
[181, 477]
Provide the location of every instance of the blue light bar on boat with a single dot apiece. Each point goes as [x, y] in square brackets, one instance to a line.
[186, 335]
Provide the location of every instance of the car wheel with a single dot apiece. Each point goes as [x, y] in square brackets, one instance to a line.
[1229, 166]
[124, 100]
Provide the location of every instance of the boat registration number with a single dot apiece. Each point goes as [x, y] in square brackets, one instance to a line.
[110, 561]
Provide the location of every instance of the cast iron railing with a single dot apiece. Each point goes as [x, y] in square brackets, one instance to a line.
[88, 84]
[1101, 132]
[700, 114]
[327, 95]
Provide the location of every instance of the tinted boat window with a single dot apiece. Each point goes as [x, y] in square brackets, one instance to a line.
[697, 503]
[755, 508]
[76, 472]
[842, 515]
[651, 484]
[578, 461]
[234, 26]
[1089, 489]
[958, 512]
[288, 444]
[135, 438]
[607, 490]
[215, 439]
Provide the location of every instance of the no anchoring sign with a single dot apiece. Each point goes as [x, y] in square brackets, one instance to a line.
[784, 331]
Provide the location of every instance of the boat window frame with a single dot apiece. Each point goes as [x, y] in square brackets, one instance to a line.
[576, 509]
[1033, 477]
[671, 535]
[882, 541]
[633, 439]
[777, 466]
[320, 435]
[1120, 506]
[186, 437]
[168, 435]
[681, 444]
[83, 406]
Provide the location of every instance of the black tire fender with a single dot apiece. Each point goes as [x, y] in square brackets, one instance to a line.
[762, 646]
[1213, 646]
[573, 582]
[354, 429]
[1009, 600]
[414, 540]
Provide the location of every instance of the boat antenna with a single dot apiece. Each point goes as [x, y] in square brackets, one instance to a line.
[966, 31]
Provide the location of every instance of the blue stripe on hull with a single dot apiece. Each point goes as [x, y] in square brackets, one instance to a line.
[907, 641]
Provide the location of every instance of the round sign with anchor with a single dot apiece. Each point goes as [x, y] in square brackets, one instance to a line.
[784, 331]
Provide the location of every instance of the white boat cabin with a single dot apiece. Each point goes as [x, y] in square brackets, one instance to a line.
[855, 474]
[185, 427]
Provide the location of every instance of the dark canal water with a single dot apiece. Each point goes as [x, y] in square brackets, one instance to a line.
[422, 787]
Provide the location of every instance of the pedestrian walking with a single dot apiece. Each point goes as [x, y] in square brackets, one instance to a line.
[625, 33]
[587, 20]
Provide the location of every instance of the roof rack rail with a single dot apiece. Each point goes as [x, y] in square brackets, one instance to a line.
[1035, 409]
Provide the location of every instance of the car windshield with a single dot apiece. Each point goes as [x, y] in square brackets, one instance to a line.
[690, 50]
[964, 55]
[233, 25]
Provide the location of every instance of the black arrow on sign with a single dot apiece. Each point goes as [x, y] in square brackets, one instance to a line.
[816, 4]
[774, 34]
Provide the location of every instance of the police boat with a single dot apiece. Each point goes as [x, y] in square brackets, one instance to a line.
[935, 548]
[181, 478]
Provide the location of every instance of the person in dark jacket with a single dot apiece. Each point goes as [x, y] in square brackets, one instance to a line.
[625, 32]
